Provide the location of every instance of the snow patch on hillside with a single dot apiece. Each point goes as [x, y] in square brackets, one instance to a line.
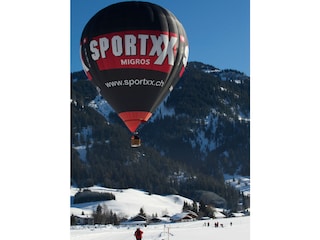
[82, 150]
[101, 106]
[129, 202]
[161, 112]
[242, 183]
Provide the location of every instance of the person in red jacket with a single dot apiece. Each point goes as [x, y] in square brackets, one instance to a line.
[138, 234]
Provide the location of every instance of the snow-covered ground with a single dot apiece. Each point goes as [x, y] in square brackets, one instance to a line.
[128, 203]
[239, 230]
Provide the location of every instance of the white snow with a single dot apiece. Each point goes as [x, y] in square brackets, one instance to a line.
[162, 111]
[241, 183]
[128, 203]
[101, 106]
[240, 230]
[82, 150]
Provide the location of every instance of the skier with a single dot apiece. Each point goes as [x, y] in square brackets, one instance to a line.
[138, 234]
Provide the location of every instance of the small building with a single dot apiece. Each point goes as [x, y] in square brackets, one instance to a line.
[161, 220]
[136, 220]
[184, 216]
[238, 214]
[83, 220]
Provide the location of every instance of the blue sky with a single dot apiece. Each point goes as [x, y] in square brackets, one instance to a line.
[218, 30]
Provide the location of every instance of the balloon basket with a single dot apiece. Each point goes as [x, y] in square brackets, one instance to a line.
[135, 141]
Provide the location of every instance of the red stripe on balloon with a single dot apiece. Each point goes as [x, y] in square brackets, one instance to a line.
[133, 119]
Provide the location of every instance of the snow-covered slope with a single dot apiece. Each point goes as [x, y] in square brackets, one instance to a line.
[241, 183]
[240, 230]
[129, 202]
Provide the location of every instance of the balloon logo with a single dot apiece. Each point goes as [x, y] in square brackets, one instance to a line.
[135, 53]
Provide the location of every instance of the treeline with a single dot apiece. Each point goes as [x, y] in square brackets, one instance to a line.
[87, 196]
[105, 216]
[146, 169]
[101, 216]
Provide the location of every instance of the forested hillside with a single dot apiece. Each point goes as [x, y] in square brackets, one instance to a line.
[199, 133]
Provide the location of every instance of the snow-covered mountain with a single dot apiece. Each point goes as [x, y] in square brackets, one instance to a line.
[215, 119]
[201, 132]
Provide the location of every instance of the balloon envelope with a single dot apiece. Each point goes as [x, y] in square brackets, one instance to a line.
[134, 52]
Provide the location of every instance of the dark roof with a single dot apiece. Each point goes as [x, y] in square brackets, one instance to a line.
[137, 218]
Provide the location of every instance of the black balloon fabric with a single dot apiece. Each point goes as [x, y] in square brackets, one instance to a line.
[135, 53]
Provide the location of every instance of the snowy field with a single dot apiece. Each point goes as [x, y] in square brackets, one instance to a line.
[240, 230]
[128, 203]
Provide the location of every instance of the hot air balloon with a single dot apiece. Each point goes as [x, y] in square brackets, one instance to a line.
[134, 53]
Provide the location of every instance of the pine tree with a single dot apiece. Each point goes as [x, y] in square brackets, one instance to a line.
[142, 213]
